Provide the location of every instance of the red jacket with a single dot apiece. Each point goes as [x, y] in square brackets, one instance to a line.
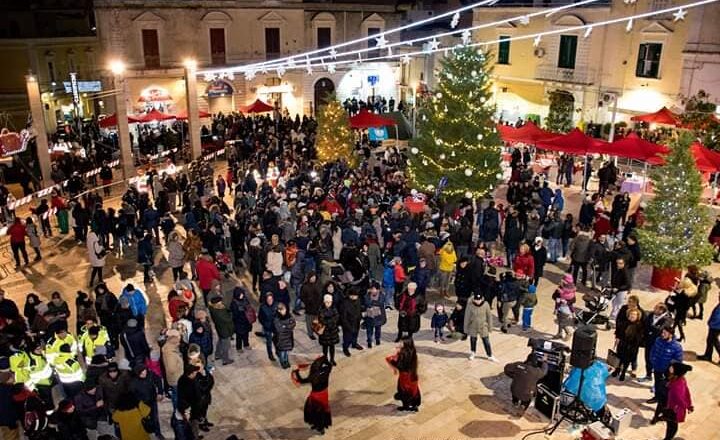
[17, 233]
[526, 263]
[679, 399]
[207, 272]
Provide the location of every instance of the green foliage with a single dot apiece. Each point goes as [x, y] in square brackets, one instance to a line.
[560, 114]
[334, 138]
[457, 134]
[698, 116]
[675, 234]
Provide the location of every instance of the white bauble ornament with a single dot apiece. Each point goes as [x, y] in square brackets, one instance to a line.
[442, 157]
[468, 194]
[474, 73]
[438, 142]
[438, 95]
[414, 150]
[499, 176]
[480, 137]
[468, 172]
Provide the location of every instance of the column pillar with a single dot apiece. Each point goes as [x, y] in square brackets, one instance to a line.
[126, 157]
[192, 109]
[38, 126]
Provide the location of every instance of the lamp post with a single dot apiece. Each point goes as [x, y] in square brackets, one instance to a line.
[117, 68]
[192, 108]
[38, 126]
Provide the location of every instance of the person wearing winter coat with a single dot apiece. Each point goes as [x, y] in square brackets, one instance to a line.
[490, 226]
[33, 237]
[134, 342]
[128, 417]
[478, 323]
[375, 260]
[274, 261]
[327, 328]
[242, 312]
[409, 318]
[311, 297]
[456, 324]
[422, 277]
[628, 333]
[225, 328]
[105, 306]
[136, 300]
[350, 317]
[679, 402]
[463, 286]
[524, 261]
[147, 388]
[96, 255]
[653, 324]
[525, 377]
[176, 254]
[202, 338]
[113, 384]
[266, 316]
[580, 255]
[90, 406]
[195, 396]
[513, 235]
[374, 314]
[664, 353]
[69, 423]
[438, 321]
[146, 256]
[173, 363]
[284, 325]
[540, 256]
[446, 265]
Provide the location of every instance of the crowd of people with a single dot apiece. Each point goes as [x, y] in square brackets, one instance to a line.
[332, 244]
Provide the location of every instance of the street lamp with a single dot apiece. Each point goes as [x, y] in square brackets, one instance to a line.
[117, 67]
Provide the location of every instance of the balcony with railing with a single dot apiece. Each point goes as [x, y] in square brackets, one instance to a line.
[572, 76]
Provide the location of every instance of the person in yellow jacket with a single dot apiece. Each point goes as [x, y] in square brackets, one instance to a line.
[446, 265]
[60, 338]
[69, 371]
[93, 336]
[41, 373]
[19, 365]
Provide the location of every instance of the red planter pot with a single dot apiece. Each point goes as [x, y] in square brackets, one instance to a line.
[664, 278]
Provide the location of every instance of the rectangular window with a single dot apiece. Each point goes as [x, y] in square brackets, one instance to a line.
[372, 43]
[648, 63]
[51, 71]
[272, 43]
[324, 37]
[217, 46]
[568, 50]
[151, 48]
[504, 50]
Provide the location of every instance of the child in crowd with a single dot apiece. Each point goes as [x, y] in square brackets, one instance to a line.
[529, 301]
[439, 320]
[388, 283]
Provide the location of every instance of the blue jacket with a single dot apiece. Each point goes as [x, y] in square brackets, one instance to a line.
[138, 306]
[266, 316]
[388, 275]
[439, 320]
[422, 278]
[664, 353]
[151, 218]
[714, 321]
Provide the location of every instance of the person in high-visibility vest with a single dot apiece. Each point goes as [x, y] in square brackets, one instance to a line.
[19, 365]
[94, 336]
[69, 371]
[41, 373]
[60, 338]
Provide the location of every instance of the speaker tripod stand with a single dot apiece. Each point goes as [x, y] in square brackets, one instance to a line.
[576, 411]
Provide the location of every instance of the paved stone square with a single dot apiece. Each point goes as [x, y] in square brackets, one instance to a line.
[254, 398]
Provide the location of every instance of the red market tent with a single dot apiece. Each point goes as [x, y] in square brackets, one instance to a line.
[365, 119]
[634, 147]
[258, 107]
[184, 115]
[111, 120]
[531, 134]
[706, 160]
[155, 115]
[662, 116]
[507, 132]
[575, 142]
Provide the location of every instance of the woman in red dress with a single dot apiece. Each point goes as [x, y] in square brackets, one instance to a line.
[317, 405]
[404, 362]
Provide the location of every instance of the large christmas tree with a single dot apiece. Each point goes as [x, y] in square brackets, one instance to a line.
[676, 229]
[334, 138]
[458, 147]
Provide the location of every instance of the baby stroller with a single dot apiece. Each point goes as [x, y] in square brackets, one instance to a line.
[596, 306]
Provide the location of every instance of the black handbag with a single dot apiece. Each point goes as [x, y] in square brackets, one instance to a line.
[147, 423]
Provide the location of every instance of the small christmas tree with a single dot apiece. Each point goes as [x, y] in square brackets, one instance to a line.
[334, 138]
[676, 229]
[458, 147]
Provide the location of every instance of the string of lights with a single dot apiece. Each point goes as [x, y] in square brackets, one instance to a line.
[679, 14]
[332, 50]
[465, 34]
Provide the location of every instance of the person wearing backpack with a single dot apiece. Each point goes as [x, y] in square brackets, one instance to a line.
[243, 316]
